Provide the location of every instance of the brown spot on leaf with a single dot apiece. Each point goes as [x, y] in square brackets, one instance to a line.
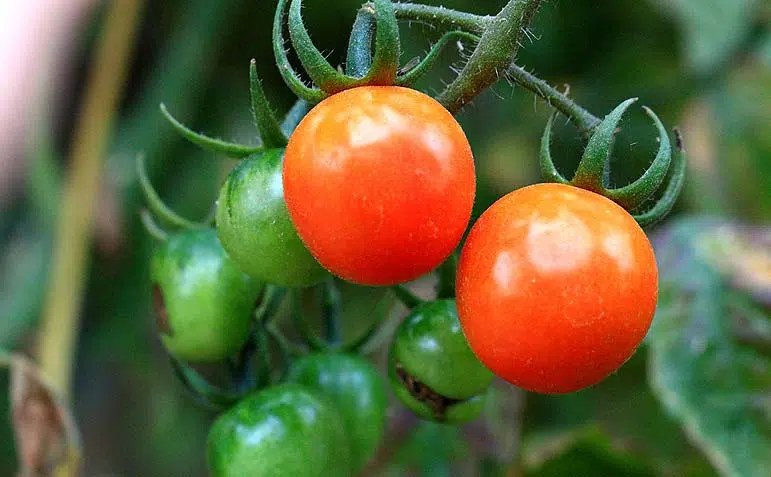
[438, 403]
[161, 315]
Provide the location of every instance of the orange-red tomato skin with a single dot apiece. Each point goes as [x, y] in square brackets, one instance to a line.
[379, 182]
[556, 287]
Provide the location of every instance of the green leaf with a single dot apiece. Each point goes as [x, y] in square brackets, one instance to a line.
[705, 378]
[585, 452]
[711, 29]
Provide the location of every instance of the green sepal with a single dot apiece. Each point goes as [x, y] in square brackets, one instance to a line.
[413, 75]
[293, 117]
[265, 120]
[292, 80]
[152, 227]
[672, 191]
[358, 60]
[548, 171]
[592, 172]
[405, 295]
[215, 397]
[157, 206]
[215, 145]
[633, 195]
[384, 64]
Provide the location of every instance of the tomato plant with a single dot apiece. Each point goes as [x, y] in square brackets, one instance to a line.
[379, 182]
[556, 287]
[254, 226]
[284, 430]
[203, 301]
[282, 310]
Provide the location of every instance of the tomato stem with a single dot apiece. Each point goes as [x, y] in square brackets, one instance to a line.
[447, 270]
[331, 310]
[496, 50]
[405, 295]
[441, 16]
[583, 119]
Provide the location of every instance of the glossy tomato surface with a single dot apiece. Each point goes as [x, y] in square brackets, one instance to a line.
[254, 226]
[356, 389]
[556, 287]
[203, 301]
[379, 182]
[285, 430]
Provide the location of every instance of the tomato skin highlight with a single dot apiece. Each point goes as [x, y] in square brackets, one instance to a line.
[254, 225]
[283, 430]
[379, 182]
[356, 388]
[556, 287]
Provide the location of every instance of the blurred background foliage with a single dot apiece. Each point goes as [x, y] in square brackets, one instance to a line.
[695, 401]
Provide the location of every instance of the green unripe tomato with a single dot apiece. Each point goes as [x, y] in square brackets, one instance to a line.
[287, 430]
[432, 368]
[203, 301]
[358, 391]
[254, 226]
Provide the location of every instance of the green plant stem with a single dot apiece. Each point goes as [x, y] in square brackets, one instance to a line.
[583, 119]
[440, 16]
[493, 55]
[60, 323]
[447, 271]
[405, 295]
[331, 311]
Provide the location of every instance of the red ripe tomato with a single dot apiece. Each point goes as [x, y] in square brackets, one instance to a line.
[379, 182]
[556, 287]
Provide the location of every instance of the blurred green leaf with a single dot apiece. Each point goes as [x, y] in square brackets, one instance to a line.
[431, 448]
[704, 377]
[711, 29]
[585, 452]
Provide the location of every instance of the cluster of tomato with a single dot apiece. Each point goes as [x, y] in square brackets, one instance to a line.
[556, 286]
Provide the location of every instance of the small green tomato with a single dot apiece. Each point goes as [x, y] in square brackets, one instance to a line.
[432, 368]
[254, 225]
[287, 430]
[358, 391]
[203, 301]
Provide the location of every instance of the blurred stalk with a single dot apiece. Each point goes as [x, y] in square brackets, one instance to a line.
[60, 324]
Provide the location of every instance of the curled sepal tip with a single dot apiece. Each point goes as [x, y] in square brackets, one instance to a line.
[592, 172]
[157, 206]
[215, 145]
[634, 194]
[412, 75]
[268, 127]
[292, 80]
[385, 62]
[548, 170]
[664, 204]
